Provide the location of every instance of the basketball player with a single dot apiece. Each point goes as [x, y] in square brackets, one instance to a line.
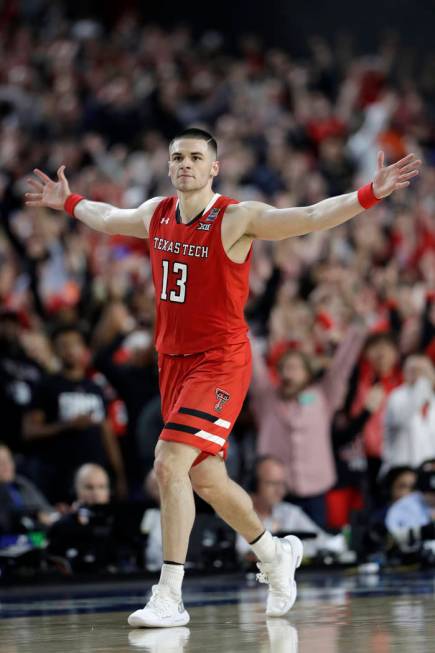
[200, 248]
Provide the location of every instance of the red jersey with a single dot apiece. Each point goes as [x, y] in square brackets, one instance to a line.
[200, 293]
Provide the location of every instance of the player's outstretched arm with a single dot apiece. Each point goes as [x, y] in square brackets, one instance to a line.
[270, 223]
[97, 215]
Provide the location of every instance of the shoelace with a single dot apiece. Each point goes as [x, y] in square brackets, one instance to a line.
[268, 578]
[161, 604]
[262, 578]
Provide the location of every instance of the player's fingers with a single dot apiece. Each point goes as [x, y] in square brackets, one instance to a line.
[408, 175]
[34, 203]
[401, 184]
[61, 173]
[33, 196]
[405, 161]
[381, 158]
[42, 175]
[35, 184]
[414, 165]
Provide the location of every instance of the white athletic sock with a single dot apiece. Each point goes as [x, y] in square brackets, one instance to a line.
[172, 576]
[265, 547]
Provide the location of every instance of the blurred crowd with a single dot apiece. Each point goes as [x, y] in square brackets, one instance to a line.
[342, 321]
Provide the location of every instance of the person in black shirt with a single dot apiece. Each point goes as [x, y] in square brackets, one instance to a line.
[67, 425]
[19, 375]
[135, 379]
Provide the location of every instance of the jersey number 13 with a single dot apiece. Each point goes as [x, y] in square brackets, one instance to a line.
[180, 270]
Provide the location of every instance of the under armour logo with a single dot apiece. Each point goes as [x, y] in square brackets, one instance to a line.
[222, 398]
[164, 221]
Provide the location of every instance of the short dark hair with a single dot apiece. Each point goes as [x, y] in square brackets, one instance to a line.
[195, 132]
[381, 336]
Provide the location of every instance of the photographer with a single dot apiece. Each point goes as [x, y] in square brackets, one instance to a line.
[98, 535]
[411, 520]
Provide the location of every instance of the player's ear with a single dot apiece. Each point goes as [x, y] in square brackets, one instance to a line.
[215, 168]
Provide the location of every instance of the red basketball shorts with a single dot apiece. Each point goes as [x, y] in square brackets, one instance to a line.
[202, 396]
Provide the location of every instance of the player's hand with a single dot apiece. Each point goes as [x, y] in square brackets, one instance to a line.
[395, 177]
[47, 192]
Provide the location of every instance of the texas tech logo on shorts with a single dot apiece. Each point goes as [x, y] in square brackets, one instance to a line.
[222, 397]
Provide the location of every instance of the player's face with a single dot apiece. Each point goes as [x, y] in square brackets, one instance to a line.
[192, 165]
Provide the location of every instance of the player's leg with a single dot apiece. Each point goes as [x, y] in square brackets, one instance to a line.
[177, 507]
[279, 557]
[172, 464]
[230, 501]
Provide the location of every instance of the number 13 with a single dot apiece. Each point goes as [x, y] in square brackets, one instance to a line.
[181, 270]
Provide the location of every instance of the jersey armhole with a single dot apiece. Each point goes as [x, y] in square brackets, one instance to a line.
[159, 208]
[249, 254]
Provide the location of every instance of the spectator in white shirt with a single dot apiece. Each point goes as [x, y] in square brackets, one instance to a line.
[411, 520]
[268, 488]
[409, 436]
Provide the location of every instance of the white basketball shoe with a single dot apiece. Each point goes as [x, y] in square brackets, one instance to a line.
[280, 575]
[161, 611]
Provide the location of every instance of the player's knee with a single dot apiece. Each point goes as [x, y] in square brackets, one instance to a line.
[207, 491]
[167, 468]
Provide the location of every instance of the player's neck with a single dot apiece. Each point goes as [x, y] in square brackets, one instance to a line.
[193, 203]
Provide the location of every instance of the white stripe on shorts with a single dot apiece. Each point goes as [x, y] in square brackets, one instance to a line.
[209, 436]
[223, 423]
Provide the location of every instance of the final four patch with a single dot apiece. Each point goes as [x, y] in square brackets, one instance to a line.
[212, 215]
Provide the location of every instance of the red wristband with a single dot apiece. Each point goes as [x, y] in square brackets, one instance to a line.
[71, 203]
[366, 196]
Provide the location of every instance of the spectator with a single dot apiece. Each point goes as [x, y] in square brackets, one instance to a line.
[133, 374]
[410, 520]
[379, 365]
[67, 425]
[19, 374]
[350, 491]
[22, 506]
[410, 416]
[92, 485]
[399, 482]
[83, 536]
[294, 419]
[268, 488]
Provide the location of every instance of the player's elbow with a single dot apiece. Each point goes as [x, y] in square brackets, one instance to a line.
[313, 218]
[108, 223]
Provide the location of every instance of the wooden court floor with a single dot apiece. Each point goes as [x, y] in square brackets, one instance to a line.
[331, 616]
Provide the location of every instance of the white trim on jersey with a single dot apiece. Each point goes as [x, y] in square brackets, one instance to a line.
[209, 205]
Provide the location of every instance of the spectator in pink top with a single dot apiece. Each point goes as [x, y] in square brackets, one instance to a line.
[294, 418]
